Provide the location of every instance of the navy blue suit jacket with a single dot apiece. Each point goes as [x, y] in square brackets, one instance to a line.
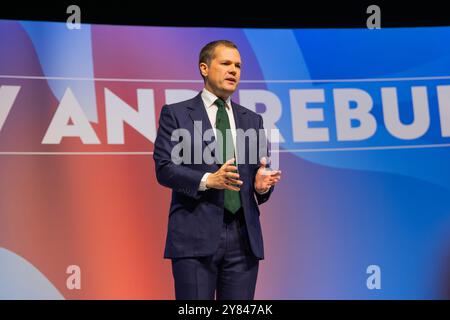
[196, 217]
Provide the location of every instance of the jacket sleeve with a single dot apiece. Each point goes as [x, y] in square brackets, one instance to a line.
[261, 198]
[178, 177]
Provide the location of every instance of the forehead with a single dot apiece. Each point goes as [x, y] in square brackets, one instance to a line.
[226, 53]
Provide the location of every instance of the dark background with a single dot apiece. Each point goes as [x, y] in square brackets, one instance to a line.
[240, 13]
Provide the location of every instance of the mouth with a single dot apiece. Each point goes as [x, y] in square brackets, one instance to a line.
[232, 80]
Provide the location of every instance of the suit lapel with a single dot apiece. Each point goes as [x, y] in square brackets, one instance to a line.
[241, 122]
[240, 118]
[201, 121]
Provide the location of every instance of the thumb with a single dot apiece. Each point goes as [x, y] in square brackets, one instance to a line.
[263, 162]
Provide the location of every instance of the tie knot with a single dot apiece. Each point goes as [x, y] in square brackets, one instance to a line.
[220, 103]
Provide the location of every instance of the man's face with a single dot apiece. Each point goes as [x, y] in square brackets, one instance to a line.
[224, 72]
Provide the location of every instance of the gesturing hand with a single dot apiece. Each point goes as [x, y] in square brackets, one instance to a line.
[264, 178]
[225, 177]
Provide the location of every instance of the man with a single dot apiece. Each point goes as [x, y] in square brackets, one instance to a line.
[214, 234]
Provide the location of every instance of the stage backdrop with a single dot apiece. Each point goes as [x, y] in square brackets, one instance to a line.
[363, 207]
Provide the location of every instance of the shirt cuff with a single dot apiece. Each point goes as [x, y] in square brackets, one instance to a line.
[202, 186]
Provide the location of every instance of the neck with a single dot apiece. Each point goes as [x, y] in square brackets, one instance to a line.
[221, 95]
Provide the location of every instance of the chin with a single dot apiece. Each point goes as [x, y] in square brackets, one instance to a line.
[229, 89]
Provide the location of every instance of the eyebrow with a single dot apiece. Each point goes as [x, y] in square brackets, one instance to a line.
[229, 61]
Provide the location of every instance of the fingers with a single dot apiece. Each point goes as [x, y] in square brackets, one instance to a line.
[236, 182]
[228, 162]
[231, 187]
[231, 175]
[270, 181]
[230, 168]
[233, 180]
[229, 165]
[232, 184]
[273, 180]
[273, 173]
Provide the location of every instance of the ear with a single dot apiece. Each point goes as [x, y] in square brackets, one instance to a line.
[203, 69]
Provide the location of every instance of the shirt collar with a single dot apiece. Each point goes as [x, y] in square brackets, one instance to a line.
[209, 98]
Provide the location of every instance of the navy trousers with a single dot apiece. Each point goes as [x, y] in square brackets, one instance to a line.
[229, 274]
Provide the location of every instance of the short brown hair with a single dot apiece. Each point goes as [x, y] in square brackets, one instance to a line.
[207, 52]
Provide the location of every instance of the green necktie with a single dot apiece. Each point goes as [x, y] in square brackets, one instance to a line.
[232, 200]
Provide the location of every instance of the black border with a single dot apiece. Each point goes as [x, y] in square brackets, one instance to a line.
[236, 13]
